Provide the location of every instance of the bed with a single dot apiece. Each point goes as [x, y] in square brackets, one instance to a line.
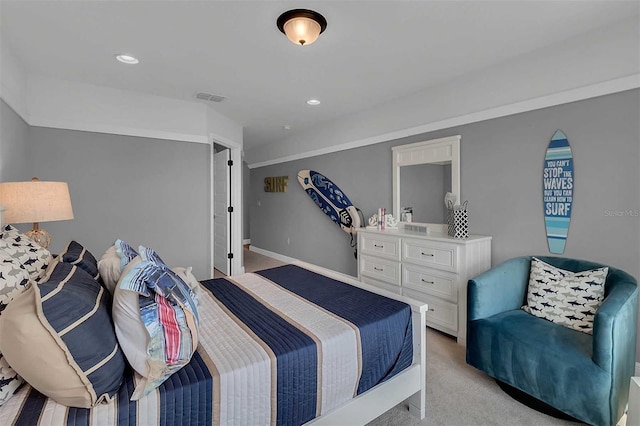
[295, 344]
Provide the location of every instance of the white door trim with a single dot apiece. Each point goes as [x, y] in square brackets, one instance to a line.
[221, 215]
[237, 263]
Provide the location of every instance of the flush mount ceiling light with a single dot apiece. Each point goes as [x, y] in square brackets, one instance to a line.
[313, 102]
[301, 26]
[127, 59]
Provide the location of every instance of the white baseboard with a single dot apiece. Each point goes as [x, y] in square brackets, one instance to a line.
[274, 255]
[247, 241]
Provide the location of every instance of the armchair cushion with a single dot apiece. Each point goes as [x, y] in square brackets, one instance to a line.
[546, 360]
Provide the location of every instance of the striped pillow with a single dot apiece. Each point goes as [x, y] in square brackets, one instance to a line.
[59, 337]
[77, 255]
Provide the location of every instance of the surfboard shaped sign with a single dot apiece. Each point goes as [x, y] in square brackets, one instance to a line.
[557, 191]
[330, 199]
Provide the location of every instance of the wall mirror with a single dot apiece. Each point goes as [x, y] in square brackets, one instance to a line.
[423, 173]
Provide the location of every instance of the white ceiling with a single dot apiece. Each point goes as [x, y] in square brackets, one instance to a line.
[372, 51]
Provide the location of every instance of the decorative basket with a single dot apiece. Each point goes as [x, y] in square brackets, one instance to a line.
[458, 221]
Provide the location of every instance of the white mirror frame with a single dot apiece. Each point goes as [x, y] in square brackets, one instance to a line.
[435, 151]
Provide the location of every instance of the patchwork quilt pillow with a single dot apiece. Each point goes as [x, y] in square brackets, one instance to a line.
[34, 258]
[113, 262]
[568, 298]
[76, 254]
[186, 276]
[14, 278]
[59, 337]
[125, 252]
[156, 320]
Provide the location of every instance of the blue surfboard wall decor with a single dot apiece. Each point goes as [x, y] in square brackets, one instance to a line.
[330, 199]
[557, 191]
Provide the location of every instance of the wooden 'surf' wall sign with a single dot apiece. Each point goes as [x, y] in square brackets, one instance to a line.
[276, 184]
[557, 191]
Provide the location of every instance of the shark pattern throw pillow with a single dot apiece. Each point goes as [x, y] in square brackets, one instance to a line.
[567, 298]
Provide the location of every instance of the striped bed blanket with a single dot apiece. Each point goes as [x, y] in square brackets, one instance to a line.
[281, 346]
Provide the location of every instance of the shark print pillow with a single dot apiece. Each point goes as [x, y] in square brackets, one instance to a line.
[14, 278]
[34, 258]
[567, 298]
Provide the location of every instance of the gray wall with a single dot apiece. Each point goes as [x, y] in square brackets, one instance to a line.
[14, 161]
[501, 167]
[145, 191]
[363, 174]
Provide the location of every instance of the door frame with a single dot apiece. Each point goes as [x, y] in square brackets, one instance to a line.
[237, 263]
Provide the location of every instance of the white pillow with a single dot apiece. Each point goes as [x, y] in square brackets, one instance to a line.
[132, 334]
[109, 268]
[113, 262]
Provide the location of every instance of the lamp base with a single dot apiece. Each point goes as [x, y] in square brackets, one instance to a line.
[39, 236]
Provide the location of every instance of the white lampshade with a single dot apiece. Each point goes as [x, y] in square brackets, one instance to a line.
[34, 202]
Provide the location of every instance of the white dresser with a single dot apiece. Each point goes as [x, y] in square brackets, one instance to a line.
[433, 269]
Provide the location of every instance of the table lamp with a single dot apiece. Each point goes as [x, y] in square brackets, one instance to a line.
[34, 202]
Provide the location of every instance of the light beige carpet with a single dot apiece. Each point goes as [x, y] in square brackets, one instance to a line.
[253, 262]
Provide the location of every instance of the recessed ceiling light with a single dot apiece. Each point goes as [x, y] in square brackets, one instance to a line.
[286, 127]
[313, 102]
[127, 59]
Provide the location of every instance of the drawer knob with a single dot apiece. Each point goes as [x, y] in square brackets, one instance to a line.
[427, 254]
[426, 281]
[378, 246]
[378, 269]
[432, 309]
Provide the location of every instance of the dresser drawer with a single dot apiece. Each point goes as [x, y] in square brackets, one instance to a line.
[383, 285]
[437, 255]
[431, 281]
[442, 315]
[380, 245]
[380, 269]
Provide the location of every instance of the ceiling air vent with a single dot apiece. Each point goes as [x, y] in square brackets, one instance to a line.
[209, 97]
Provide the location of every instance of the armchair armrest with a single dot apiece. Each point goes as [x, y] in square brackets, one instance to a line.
[501, 288]
[614, 338]
[614, 327]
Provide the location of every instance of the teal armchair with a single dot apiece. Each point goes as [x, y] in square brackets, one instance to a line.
[585, 376]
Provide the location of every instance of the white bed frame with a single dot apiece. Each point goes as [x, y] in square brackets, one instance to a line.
[410, 383]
